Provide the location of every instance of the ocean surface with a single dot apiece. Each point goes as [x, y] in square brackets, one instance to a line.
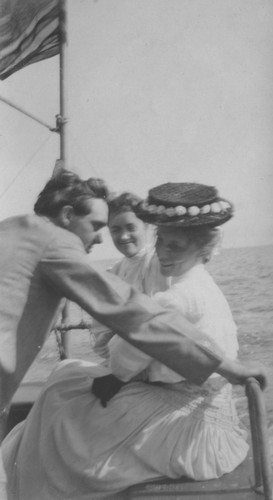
[246, 277]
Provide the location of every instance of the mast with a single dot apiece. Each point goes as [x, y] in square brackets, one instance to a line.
[63, 162]
[62, 118]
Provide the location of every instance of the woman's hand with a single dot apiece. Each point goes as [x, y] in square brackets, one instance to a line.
[237, 372]
[105, 388]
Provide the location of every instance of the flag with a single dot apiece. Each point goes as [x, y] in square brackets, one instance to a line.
[29, 32]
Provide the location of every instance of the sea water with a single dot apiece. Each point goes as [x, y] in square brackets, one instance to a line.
[245, 275]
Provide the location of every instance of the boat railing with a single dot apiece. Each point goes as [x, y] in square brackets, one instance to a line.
[62, 339]
[260, 441]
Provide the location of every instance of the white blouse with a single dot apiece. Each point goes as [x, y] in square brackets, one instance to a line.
[132, 269]
[200, 300]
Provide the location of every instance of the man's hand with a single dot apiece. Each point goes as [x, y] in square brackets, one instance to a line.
[105, 388]
[238, 373]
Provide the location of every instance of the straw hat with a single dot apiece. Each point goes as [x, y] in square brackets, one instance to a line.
[184, 204]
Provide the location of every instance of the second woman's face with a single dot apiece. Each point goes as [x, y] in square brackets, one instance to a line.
[176, 253]
[127, 232]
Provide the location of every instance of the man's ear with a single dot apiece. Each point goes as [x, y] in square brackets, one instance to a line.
[65, 215]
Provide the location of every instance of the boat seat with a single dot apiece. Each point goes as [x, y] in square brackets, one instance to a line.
[238, 485]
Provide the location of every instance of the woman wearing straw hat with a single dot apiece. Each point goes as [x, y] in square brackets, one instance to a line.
[199, 424]
[165, 426]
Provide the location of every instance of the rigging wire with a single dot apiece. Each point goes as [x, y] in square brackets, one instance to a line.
[26, 113]
[25, 166]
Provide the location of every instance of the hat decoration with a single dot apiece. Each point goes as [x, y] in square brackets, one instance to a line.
[184, 204]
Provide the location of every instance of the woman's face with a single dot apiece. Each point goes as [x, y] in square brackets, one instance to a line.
[128, 233]
[176, 253]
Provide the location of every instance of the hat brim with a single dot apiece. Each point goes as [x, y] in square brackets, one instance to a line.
[211, 220]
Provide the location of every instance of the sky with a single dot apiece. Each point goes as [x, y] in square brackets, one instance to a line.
[157, 91]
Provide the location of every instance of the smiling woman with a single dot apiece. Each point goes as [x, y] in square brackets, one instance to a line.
[179, 249]
[135, 240]
[127, 231]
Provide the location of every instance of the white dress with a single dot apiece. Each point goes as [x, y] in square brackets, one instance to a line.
[70, 447]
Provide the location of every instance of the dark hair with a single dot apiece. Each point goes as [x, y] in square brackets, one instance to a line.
[125, 202]
[67, 188]
[206, 238]
[201, 235]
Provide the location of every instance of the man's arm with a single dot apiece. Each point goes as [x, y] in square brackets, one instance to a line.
[238, 373]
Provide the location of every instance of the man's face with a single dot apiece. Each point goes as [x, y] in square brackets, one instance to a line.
[88, 227]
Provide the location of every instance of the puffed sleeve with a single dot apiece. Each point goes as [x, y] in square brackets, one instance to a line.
[161, 334]
[192, 304]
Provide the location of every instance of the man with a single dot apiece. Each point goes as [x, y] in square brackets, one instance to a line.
[43, 259]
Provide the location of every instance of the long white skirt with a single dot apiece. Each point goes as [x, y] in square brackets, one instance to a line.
[70, 447]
